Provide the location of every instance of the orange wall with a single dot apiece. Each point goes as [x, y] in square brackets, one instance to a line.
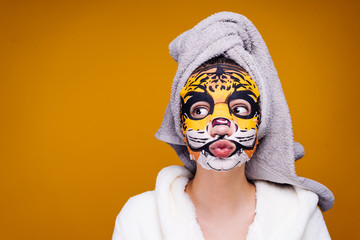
[83, 89]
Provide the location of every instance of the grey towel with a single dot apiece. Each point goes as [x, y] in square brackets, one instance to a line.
[235, 37]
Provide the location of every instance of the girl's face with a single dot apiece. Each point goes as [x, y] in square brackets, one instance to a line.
[220, 116]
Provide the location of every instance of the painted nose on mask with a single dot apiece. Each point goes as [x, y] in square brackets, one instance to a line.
[220, 126]
[221, 123]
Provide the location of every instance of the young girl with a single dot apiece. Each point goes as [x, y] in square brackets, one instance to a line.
[229, 123]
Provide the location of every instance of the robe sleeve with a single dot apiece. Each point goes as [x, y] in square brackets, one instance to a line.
[316, 227]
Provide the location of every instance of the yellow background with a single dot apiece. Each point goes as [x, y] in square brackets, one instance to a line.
[84, 86]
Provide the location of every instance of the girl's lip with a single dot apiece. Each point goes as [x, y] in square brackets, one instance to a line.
[222, 148]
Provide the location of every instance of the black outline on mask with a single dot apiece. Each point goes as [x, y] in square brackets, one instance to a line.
[238, 146]
[227, 169]
[245, 95]
[194, 98]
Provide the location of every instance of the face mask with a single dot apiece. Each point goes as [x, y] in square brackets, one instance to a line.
[220, 117]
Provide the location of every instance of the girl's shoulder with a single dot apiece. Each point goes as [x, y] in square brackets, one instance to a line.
[138, 216]
[287, 212]
[283, 195]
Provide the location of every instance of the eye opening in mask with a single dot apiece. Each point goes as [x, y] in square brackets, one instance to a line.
[240, 107]
[243, 99]
[197, 99]
[199, 110]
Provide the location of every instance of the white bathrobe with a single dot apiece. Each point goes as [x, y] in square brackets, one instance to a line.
[282, 212]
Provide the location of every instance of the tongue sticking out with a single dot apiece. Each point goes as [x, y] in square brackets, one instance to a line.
[222, 148]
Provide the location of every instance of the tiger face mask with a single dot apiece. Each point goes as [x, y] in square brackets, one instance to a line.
[220, 116]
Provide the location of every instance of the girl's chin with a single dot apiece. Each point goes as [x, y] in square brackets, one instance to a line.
[224, 165]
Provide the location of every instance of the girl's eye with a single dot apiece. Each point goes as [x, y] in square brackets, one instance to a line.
[200, 112]
[240, 107]
[241, 110]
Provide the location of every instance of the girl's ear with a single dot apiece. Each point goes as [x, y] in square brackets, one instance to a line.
[182, 128]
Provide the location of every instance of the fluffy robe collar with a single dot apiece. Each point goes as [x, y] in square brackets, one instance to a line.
[282, 211]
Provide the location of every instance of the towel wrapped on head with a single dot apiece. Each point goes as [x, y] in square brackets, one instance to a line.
[234, 36]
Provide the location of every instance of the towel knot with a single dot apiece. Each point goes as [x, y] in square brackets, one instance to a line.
[228, 30]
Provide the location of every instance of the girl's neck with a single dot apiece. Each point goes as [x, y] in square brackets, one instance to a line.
[228, 191]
